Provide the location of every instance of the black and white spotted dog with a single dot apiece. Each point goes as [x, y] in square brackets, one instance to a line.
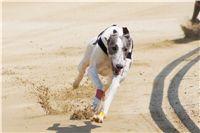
[109, 54]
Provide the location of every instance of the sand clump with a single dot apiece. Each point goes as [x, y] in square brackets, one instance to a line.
[75, 102]
[80, 114]
[43, 96]
[191, 30]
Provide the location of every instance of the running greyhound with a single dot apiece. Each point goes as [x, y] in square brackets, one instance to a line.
[109, 54]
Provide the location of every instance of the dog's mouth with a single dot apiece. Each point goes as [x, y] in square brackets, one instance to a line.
[116, 71]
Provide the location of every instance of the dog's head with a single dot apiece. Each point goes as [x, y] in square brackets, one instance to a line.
[118, 48]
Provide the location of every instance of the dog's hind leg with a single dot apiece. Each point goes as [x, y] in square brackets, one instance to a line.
[83, 65]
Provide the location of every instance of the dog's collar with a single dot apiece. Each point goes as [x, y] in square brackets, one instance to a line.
[102, 45]
[100, 42]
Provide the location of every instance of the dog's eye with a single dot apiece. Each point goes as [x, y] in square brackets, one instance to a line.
[114, 48]
[125, 49]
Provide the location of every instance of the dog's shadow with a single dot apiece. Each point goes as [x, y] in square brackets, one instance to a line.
[184, 40]
[73, 128]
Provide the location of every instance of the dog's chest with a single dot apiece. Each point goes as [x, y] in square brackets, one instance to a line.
[104, 68]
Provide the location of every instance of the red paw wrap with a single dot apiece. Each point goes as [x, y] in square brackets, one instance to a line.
[99, 94]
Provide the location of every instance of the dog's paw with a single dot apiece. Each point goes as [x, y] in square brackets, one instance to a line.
[98, 117]
[96, 104]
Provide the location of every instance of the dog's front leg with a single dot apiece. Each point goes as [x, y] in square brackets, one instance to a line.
[111, 92]
[92, 73]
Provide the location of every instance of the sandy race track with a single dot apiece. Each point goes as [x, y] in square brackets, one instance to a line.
[44, 42]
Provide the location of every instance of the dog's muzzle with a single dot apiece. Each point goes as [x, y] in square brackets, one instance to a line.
[117, 69]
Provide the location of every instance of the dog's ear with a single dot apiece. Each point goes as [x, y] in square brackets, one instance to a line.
[126, 32]
[128, 41]
[113, 38]
[115, 33]
[131, 44]
[127, 36]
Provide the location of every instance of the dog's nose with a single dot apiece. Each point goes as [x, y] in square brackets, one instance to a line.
[119, 66]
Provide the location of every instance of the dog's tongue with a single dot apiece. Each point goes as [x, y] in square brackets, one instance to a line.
[117, 71]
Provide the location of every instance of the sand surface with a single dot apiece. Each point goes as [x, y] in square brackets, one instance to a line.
[44, 42]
